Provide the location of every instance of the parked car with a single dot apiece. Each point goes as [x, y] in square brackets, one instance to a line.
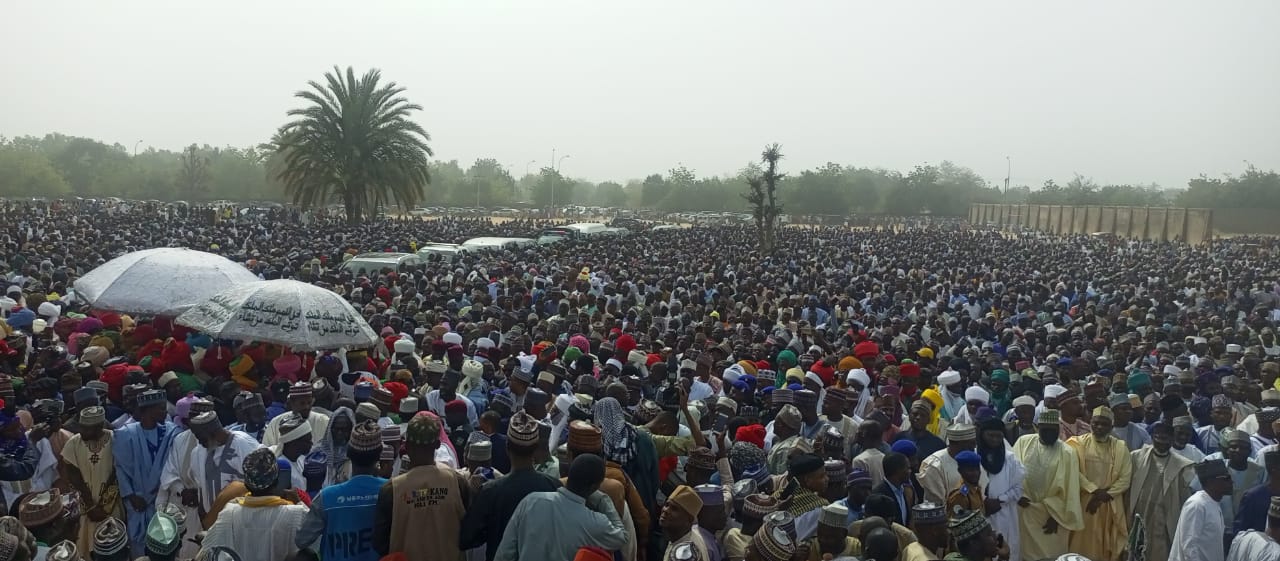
[377, 261]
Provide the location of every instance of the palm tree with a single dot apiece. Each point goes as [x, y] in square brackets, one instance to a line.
[353, 144]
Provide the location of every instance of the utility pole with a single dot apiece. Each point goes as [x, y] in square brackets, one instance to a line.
[135, 148]
[1008, 173]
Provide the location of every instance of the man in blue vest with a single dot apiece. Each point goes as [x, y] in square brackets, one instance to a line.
[341, 516]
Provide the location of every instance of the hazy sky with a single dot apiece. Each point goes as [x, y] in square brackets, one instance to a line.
[1130, 91]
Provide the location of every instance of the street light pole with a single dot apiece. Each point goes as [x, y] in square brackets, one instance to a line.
[1008, 172]
[558, 162]
[135, 148]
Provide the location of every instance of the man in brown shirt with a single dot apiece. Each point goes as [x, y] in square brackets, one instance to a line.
[420, 511]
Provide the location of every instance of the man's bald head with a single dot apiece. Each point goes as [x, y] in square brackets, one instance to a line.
[880, 544]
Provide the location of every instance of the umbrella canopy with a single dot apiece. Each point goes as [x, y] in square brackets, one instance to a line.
[163, 281]
[285, 312]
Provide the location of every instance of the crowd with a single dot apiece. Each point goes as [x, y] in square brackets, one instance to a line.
[916, 393]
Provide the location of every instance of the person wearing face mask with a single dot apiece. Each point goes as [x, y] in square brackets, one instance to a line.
[1050, 506]
[1160, 485]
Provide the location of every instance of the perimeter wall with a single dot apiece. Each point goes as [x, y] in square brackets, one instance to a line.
[1193, 225]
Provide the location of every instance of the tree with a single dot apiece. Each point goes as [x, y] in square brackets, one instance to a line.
[551, 189]
[610, 194]
[193, 178]
[26, 172]
[492, 184]
[354, 143]
[653, 191]
[762, 195]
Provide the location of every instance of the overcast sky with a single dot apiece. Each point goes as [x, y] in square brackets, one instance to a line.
[1131, 91]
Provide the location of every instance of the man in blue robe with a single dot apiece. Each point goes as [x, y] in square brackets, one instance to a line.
[140, 449]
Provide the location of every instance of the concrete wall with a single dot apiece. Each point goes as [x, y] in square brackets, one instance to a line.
[1194, 225]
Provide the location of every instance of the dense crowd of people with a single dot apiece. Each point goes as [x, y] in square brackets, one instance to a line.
[913, 393]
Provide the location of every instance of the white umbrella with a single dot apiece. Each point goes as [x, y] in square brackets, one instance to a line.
[285, 312]
[162, 281]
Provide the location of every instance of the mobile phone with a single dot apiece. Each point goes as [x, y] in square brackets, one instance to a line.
[721, 423]
[284, 479]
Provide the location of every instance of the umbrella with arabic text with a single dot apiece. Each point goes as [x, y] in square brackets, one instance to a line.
[285, 312]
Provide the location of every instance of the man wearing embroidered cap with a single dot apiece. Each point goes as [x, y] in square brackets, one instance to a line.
[300, 402]
[1050, 507]
[974, 539]
[1106, 471]
[164, 536]
[1257, 545]
[341, 514]
[1160, 485]
[219, 458]
[140, 450]
[1245, 474]
[274, 520]
[491, 510]
[771, 543]
[832, 536]
[939, 473]
[90, 468]
[1201, 528]
[50, 517]
[1122, 406]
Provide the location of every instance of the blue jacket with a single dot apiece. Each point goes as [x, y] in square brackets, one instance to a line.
[341, 518]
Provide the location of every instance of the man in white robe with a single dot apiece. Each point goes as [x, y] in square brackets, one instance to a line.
[299, 402]
[939, 473]
[1004, 475]
[218, 459]
[178, 485]
[1259, 546]
[1200, 526]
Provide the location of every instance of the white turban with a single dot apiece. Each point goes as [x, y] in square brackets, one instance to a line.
[1171, 370]
[484, 343]
[452, 338]
[1052, 391]
[732, 373]
[1024, 400]
[976, 393]
[302, 430]
[860, 375]
[526, 362]
[949, 377]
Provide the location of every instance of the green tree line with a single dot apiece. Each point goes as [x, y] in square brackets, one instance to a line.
[59, 166]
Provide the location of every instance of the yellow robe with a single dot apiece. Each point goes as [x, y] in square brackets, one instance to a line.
[1103, 465]
[1053, 487]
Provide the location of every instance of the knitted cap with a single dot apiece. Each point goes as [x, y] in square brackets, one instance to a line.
[773, 544]
[967, 525]
[366, 437]
[260, 469]
[41, 508]
[929, 513]
[64, 550]
[522, 429]
[584, 437]
[759, 505]
[423, 429]
[111, 536]
[834, 516]
[163, 534]
[961, 432]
